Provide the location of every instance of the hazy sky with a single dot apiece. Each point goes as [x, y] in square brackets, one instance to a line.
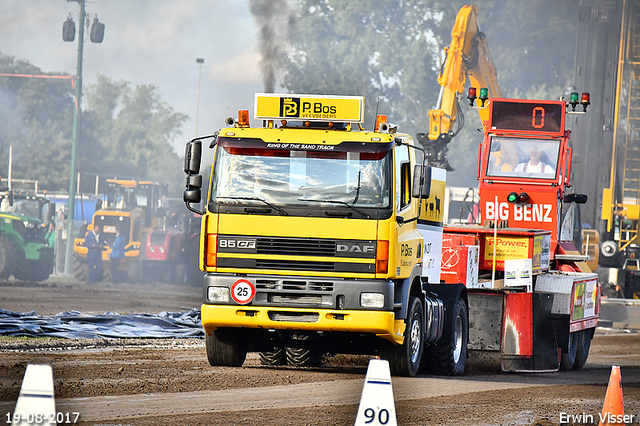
[149, 42]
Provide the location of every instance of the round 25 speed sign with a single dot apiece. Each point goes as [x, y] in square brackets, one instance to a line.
[243, 291]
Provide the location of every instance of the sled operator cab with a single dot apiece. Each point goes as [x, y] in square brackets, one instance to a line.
[525, 168]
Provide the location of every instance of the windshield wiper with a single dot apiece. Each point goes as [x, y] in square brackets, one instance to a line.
[355, 199]
[344, 203]
[284, 213]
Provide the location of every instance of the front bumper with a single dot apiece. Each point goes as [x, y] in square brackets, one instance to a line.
[299, 291]
[382, 324]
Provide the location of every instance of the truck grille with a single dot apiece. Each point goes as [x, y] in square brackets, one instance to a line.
[295, 265]
[294, 316]
[296, 246]
[109, 224]
[252, 252]
[294, 299]
[32, 235]
[299, 285]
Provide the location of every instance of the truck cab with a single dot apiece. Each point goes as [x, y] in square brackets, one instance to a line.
[321, 237]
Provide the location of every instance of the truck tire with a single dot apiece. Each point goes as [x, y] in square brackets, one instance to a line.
[276, 357]
[582, 347]
[7, 258]
[404, 360]
[449, 358]
[226, 348]
[567, 361]
[303, 357]
[80, 268]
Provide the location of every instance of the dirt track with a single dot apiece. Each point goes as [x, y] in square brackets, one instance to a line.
[155, 382]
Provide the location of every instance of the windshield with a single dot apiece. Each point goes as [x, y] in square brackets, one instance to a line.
[258, 175]
[517, 157]
[25, 207]
[126, 198]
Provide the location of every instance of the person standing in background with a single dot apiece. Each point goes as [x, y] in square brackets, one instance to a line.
[94, 243]
[117, 253]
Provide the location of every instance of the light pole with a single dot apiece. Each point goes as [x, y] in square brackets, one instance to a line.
[68, 33]
[199, 61]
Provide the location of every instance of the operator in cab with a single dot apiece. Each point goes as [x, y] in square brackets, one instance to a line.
[534, 165]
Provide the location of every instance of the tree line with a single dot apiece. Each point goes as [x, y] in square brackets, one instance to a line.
[125, 131]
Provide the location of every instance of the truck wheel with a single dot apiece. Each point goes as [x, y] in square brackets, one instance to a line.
[80, 268]
[568, 360]
[303, 357]
[582, 347]
[450, 358]
[226, 347]
[277, 357]
[7, 258]
[404, 360]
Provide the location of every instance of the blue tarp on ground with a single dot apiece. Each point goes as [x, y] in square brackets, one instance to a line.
[76, 325]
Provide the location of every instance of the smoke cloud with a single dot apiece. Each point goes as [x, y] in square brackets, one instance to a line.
[272, 17]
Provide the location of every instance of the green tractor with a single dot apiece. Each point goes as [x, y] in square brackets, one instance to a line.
[24, 251]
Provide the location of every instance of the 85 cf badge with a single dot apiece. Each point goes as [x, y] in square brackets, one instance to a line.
[243, 291]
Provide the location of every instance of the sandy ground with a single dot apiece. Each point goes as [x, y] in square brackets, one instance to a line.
[158, 382]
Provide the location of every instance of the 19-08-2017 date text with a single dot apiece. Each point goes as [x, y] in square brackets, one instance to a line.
[43, 419]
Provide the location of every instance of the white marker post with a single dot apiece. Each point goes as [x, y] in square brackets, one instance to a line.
[377, 406]
[36, 403]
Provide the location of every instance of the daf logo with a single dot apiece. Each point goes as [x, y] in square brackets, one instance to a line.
[355, 248]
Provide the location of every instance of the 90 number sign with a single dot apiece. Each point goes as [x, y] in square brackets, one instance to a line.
[379, 418]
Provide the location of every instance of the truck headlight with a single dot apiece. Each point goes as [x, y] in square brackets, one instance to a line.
[218, 294]
[372, 300]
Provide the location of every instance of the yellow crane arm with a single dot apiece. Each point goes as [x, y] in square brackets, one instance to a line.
[467, 55]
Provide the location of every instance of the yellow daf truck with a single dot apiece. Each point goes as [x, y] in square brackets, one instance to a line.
[320, 237]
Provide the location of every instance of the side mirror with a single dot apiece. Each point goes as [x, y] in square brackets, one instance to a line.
[194, 182]
[421, 187]
[192, 195]
[575, 198]
[581, 198]
[192, 155]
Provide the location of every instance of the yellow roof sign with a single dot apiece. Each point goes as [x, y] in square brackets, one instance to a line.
[278, 106]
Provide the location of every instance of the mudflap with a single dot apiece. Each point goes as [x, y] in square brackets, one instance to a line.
[449, 294]
[529, 341]
[512, 331]
[485, 329]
